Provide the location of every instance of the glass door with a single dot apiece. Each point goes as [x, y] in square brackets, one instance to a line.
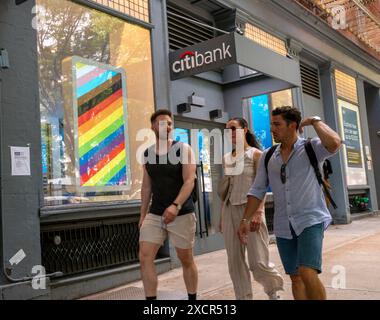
[209, 172]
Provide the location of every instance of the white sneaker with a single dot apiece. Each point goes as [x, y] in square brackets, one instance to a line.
[274, 296]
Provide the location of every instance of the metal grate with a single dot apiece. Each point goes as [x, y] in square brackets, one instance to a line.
[89, 246]
[184, 33]
[346, 86]
[136, 8]
[265, 39]
[310, 81]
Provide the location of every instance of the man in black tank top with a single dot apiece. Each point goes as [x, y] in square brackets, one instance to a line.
[168, 180]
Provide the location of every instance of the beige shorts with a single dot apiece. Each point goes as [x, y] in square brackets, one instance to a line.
[181, 231]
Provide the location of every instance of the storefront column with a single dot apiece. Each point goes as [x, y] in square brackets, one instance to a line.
[20, 126]
[341, 215]
[160, 45]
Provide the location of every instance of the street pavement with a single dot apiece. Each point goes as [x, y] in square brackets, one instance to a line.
[351, 270]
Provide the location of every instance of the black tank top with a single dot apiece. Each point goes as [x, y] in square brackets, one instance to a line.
[166, 179]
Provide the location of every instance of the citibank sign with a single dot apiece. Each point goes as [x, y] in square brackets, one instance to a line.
[205, 56]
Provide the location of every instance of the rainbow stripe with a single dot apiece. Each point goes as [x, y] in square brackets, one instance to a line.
[101, 126]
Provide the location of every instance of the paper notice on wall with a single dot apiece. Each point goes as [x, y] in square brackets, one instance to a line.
[20, 157]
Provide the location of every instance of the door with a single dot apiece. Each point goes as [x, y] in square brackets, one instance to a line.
[372, 156]
[209, 171]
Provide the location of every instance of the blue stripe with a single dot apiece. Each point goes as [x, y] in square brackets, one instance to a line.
[94, 151]
[119, 178]
[96, 82]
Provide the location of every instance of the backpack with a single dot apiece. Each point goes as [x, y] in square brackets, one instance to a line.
[327, 170]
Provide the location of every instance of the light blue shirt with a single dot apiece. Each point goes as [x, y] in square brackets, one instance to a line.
[300, 200]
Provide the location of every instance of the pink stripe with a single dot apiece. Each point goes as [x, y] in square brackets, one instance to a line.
[89, 76]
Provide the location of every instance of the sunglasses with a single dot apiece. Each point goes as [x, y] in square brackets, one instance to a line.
[233, 128]
[283, 173]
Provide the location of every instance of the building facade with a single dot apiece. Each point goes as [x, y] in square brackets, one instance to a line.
[78, 82]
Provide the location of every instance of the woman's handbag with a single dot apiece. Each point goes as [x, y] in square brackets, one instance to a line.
[223, 187]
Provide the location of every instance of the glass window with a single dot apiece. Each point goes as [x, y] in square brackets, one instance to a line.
[182, 135]
[138, 9]
[353, 150]
[96, 92]
[349, 117]
[346, 86]
[260, 119]
[281, 98]
[258, 109]
[265, 39]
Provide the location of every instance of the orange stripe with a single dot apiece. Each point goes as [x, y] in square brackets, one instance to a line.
[99, 117]
[102, 163]
[99, 108]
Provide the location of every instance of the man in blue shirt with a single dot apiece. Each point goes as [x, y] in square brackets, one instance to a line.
[301, 213]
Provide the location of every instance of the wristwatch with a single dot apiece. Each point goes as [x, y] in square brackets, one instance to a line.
[179, 207]
[315, 119]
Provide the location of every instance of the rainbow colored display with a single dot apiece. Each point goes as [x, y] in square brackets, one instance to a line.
[101, 128]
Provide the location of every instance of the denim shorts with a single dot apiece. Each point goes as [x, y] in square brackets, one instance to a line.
[304, 250]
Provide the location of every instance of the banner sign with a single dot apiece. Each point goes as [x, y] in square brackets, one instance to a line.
[99, 102]
[352, 138]
[205, 56]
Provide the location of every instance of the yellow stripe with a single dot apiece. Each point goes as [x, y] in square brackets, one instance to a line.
[113, 163]
[88, 125]
[83, 139]
[80, 65]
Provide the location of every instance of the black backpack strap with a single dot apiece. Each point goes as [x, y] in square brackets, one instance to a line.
[314, 163]
[313, 160]
[268, 155]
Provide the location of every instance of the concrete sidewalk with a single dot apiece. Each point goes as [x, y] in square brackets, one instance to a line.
[351, 252]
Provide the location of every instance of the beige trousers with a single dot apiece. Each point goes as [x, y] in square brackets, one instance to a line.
[258, 255]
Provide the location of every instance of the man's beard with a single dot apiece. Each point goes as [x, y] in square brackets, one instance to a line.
[163, 136]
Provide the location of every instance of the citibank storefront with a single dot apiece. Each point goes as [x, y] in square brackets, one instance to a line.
[202, 124]
[79, 96]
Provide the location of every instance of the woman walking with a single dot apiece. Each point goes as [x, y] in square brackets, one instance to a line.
[235, 199]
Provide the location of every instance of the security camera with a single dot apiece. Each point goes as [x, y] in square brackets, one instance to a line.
[239, 31]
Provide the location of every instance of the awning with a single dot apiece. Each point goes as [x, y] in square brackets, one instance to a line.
[233, 49]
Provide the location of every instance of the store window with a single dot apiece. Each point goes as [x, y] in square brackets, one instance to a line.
[138, 9]
[265, 39]
[349, 118]
[257, 110]
[96, 93]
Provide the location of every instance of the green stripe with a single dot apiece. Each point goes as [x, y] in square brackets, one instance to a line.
[103, 181]
[101, 136]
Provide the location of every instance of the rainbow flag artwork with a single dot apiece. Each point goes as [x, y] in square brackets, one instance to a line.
[100, 126]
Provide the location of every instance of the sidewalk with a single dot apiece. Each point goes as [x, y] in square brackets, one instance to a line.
[352, 249]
